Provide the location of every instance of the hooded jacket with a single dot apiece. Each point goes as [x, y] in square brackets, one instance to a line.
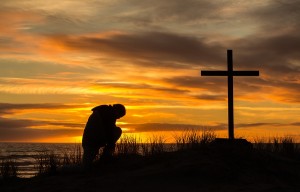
[99, 127]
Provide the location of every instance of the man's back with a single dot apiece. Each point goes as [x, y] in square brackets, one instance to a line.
[98, 127]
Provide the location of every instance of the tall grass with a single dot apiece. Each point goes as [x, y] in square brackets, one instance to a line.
[8, 168]
[50, 162]
[47, 163]
[286, 145]
[131, 145]
[289, 146]
[194, 138]
[128, 145]
[154, 146]
[157, 143]
[73, 157]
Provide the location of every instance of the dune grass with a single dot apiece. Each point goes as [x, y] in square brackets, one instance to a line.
[154, 146]
[130, 146]
[47, 163]
[286, 146]
[73, 157]
[8, 168]
[50, 162]
[194, 138]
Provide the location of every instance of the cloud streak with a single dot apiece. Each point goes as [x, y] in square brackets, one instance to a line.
[149, 46]
[10, 108]
[158, 127]
[26, 129]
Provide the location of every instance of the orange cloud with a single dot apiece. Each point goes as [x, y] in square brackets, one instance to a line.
[13, 26]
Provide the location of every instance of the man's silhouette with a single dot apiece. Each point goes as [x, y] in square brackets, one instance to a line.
[101, 131]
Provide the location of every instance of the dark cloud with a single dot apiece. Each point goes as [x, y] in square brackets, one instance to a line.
[155, 47]
[270, 52]
[246, 125]
[142, 86]
[273, 51]
[219, 97]
[217, 86]
[27, 134]
[155, 127]
[276, 57]
[6, 123]
[9, 123]
[27, 129]
[209, 83]
[296, 124]
[66, 124]
[8, 108]
[6, 43]
[153, 13]
[270, 125]
[276, 15]
[22, 129]
[288, 91]
[36, 70]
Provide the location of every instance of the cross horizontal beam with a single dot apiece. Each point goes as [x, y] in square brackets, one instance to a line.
[229, 73]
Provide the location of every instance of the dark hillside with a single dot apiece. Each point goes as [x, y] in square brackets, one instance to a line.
[201, 169]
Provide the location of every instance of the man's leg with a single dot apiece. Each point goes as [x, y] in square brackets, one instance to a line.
[117, 132]
[89, 154]
[110, 147]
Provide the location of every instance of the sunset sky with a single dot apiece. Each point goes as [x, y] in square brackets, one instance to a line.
[60, 58]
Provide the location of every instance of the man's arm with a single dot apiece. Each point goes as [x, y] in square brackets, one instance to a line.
[109, 129]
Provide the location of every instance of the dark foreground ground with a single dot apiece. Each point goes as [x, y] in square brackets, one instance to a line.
[202, 169]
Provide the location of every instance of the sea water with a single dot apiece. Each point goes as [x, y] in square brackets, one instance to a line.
[26, 155]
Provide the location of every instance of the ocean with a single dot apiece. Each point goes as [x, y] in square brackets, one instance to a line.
[26, 154]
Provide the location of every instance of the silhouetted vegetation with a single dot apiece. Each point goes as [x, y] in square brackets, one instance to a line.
[284, 146]
[194, 161]
[128, 145]
[73, 157]
[8, 168]
[193, 139]
[47, 163]
[50, 163]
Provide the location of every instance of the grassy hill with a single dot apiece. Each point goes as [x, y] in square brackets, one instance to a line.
[209, 167]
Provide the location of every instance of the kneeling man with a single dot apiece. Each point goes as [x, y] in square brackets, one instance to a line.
[101, 131]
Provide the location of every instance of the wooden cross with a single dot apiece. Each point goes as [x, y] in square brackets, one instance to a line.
[230, 73]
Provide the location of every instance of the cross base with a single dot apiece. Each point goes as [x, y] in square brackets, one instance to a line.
[239, 144]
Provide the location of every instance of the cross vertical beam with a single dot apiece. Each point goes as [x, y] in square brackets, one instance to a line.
[230, 73]
[230, 95]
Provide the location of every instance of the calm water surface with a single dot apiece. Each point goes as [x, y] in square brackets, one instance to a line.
[26, 154]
